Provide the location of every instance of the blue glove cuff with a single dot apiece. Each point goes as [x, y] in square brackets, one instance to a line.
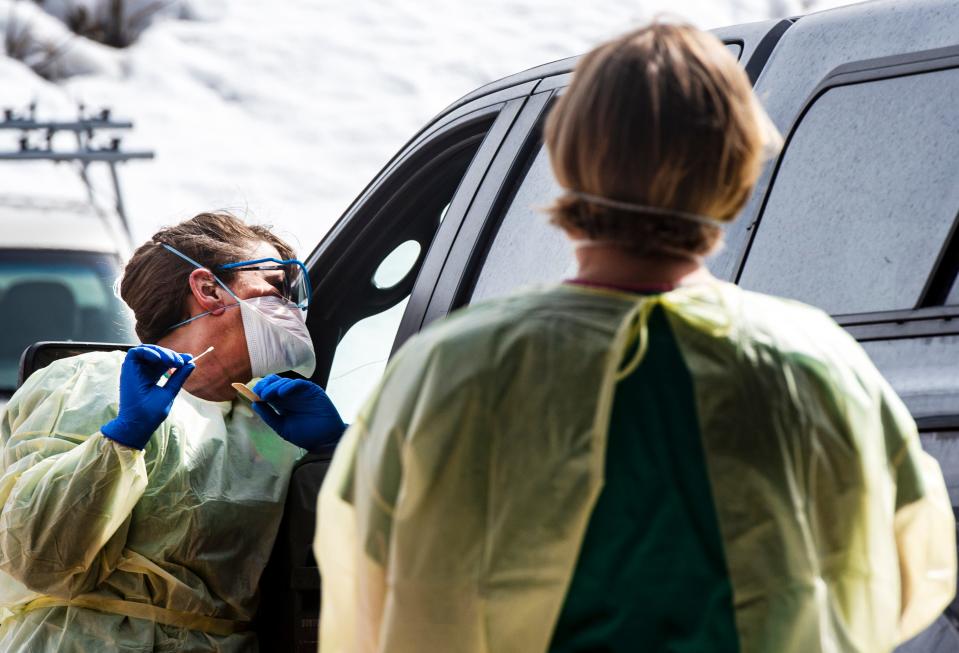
[328, 444]
[332, 444]
[119, 431]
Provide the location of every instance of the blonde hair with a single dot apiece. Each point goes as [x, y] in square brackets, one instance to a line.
[665, 117]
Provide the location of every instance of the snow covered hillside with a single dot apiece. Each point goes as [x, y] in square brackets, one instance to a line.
[285, 110]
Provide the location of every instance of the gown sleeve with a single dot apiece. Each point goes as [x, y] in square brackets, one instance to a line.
[924, 523]
[355, 517]
[66, 492]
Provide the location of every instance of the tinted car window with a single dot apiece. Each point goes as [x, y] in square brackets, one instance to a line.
[954, 293]
[56, 295]
[864, 198]
[526, 249]
[376, 291]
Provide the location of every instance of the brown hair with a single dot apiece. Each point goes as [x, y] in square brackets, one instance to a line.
[665, 117]
[155, 282]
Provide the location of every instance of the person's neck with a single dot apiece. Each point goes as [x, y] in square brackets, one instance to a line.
[212, 378]
[616, 267]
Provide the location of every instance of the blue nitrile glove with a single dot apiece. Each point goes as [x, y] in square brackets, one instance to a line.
[299, 411]
[143, 404]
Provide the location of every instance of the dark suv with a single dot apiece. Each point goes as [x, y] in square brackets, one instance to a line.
[857, 215]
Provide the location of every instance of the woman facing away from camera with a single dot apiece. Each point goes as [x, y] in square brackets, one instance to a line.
[643, 457]
[138, 515]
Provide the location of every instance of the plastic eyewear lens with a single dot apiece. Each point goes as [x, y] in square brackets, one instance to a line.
[296, 282]
[299, 285]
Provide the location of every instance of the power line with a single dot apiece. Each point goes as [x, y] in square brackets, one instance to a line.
[36, 143]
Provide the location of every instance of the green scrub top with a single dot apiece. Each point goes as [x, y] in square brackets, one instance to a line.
[651, 574]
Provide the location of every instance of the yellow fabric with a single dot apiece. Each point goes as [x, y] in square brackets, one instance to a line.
[90, 529]
[455, 506]
[186, 620]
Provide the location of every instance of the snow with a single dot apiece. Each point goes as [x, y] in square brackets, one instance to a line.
[284, 111]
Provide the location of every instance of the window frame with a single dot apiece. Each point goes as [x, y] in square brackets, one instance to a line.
[369, 230]
[454, 282]
[925, 318]
[441, 250]
[938, 423]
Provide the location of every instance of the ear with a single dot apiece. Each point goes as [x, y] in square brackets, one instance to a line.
[209, 294]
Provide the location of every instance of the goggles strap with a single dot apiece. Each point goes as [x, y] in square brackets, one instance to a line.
[189, 260]
[199, 267]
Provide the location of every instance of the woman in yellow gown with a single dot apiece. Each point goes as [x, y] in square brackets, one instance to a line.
[642, 458]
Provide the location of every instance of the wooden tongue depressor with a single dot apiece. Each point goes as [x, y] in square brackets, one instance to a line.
[245, 392]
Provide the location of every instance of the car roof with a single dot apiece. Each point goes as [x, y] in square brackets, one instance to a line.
[750, 32]
[43, 223]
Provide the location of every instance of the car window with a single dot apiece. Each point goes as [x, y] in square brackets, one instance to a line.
[865, 197]
[56, 295]
[526, 249]
[361, 358]
[374, 290]
[953, 297]
[362, 354]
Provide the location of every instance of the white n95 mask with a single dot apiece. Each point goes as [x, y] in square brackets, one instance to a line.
[276, 336]
[277, 339]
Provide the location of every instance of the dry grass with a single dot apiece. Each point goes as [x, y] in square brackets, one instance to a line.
[112, 23]
[19, 43]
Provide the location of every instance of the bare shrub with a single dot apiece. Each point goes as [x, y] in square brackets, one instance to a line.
[116, 23]
[20, 42]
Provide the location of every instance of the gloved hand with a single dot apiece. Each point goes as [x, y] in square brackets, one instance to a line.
[144, 404]
[299, 411]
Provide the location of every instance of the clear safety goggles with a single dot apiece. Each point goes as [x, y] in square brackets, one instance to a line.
[294, 287]
[295, 284]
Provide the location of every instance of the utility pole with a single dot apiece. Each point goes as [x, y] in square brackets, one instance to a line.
[36, 144]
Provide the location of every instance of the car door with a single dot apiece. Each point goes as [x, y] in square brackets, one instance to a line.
[864, 199]
[860, 218]
[377, 261]
[386, 269]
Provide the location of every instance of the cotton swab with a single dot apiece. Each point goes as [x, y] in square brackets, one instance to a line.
[166, 375]
[208, 350]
